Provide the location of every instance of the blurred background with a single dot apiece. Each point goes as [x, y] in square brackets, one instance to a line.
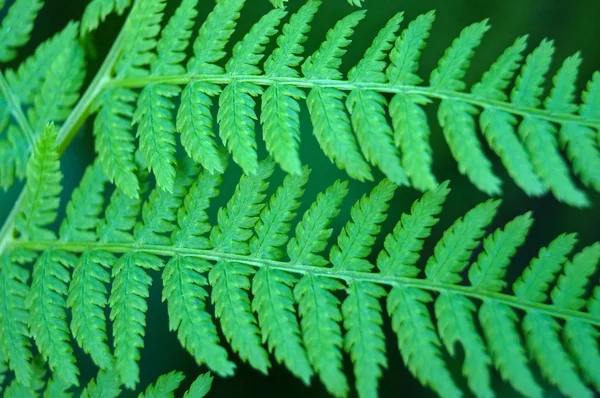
[572, 24]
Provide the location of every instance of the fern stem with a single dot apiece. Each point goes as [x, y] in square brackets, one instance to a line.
[16, 109]
[345, 85]
[348, 276]
[67, 131]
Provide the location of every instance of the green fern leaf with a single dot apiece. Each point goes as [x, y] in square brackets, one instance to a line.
[411, 130]
[320, 316]
[451, 254]
[364, 339]
[418, 342]
[541, 330]
[280, 111]
[16, 389]
[499, 323]
[114, 139]
[358, 236]
[16, 27]
[27, 80]
[325, 62]
[144, 27]
[84, 208]
[456, 324]
[87, 298]
[498, 127]
[581, 147]
[230, 280]
[311, 233]
[42, 189]
[403, 245]
[48, 316]
[200, 387]
[455, 117]
[534, 281]
[105, 385]
[194, 122]
[537, 134]
[332, 127]
[452, 67]
[128, 306]
[488, 272]
[25, 84]
[318, 307]
[194, 117]
[544, 344]
[367, 108]
[215, 32]
[184, 283]
[14, 333]
[97, 11]
[571, 286]
[57, 388]
[59, 92]
[165, 386]
[582, 339]
[153, 114]
[273, 297]
[236, 106]
[120, 218]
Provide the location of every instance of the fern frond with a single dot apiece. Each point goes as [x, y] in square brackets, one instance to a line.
[230, 280]
[402, 151]
[499, 323]
[128, 307]
[97, 11]
[539, 135]
[57, 388]
[403, 245]
[367, 108]
[273, 297]
[194, 117]
[42, 189]
[236, 114]
[243, 251]
[106, 384]
[114, 139]
[165, 386]
[184, 285]
[14, 332]
[16, 27]
[419, 344]
[451, 254]
[142, 31]
[84, 209]
[48, 316]
[332, 126]
[488, 272]
[318, 307]
[200, 387]
[16, 388]
[280, 111]
[409, 122]
[156, 130]
[60, 89]
[87, 298]
[581, 147]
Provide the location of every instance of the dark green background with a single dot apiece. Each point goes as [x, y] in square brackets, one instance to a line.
[572, 24]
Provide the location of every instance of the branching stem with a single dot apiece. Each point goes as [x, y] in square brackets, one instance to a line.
[345, 85]
[348, 276]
